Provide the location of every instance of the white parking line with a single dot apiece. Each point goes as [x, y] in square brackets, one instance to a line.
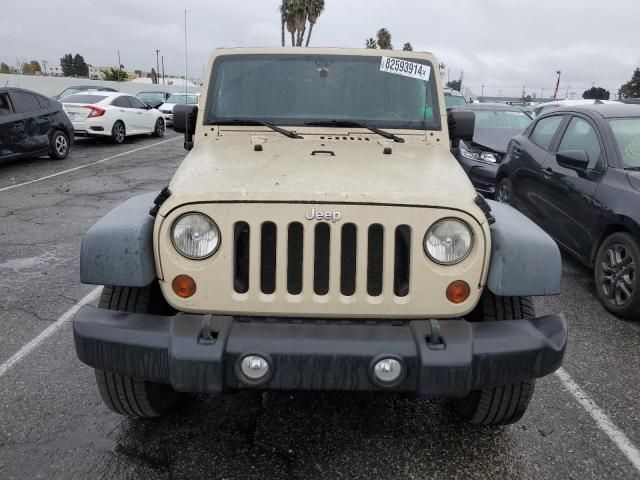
[605, 424]
[11, 187]
[47, 332]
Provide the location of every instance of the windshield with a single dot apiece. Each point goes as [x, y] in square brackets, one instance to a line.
[453, 100]
[494, 128]
[71, 91]
[182, 98]
[299, 89]
[150, 97]
[626, 131]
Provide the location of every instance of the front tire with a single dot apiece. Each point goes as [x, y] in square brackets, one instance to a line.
[127, 395]
[504, 404]
[118, 132]
[158, 130]
[59, 149]
[616, 275]
[504, 191]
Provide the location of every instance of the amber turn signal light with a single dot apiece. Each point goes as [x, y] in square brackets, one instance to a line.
[458, 291]
[184, 286]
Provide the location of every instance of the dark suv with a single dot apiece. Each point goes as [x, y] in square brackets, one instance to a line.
[32, 125]
[576, 172]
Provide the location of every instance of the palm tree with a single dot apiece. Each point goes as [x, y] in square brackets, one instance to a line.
[283, 16]
[314, 10]
[370, 43]
[407, 47]
[301, 8]
[384, 39]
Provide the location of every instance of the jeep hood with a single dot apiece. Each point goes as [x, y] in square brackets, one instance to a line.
[228, 168]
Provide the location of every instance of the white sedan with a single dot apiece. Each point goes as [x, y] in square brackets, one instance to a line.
[177, 98]
[114, 115]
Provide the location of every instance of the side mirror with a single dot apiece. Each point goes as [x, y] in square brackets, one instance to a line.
[573, 159]
[185, 118]
[461, 125]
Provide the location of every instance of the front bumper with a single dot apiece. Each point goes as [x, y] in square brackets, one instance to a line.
[200, 353]
[168, 118]
[482, 175]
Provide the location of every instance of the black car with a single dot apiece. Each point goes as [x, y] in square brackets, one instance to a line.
[576, 172]
[32, 125]
[82, 88]
[495, 125]
[153, 98]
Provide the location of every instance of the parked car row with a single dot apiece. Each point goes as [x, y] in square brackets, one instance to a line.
[32, 124]
[575, 171]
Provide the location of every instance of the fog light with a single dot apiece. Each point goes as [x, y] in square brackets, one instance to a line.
[254, 367]
[387, 370]
[184, 286]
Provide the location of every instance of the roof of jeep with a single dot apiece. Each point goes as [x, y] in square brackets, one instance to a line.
[371, 52]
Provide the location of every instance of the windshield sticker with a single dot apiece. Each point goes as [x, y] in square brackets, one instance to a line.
[405, 68]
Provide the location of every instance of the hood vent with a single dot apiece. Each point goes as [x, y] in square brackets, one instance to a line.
[345, 138]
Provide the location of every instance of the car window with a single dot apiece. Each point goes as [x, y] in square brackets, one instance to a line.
[544, 131]
[580, 135]
[24, 102]
[626, 132]
[135, 103]
[122, 102]
[5, 105]
[83, 98]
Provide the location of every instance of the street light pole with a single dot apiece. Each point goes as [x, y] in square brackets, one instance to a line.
[555, 92]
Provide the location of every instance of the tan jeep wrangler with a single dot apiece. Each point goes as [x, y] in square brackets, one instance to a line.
[319, 235]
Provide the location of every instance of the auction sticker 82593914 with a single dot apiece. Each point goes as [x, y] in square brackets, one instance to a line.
[405, 68]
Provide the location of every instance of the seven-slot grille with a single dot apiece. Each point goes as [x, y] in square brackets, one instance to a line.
[320, 250]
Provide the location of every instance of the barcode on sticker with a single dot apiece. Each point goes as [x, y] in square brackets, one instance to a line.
[405, 68]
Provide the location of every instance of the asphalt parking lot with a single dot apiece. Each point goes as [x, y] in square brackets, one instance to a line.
[583, 423]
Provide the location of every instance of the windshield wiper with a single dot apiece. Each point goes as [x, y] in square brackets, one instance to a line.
[633, 169]
[251, 121]
[351, 123]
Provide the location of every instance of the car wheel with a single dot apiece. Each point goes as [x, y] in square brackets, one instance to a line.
[123, 394]
[158, 131]
[504, 191]
[616, 275]
[59, 149]
[503, 404]
[118, 132]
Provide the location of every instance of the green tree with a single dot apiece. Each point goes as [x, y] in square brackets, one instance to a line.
[4, 68]
[31, 68]
[371, 43]
[597, 93]
[384, 39]
[455, 85]
[631, 89]
[407, 47]
[66, 63]
[115, 74]
[80, 67]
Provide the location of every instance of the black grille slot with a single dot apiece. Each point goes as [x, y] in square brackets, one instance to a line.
[294, 258]
[322, 247]
[268, 258]
[402, 261]
[241, 257]
[375, 258]
[348, 259]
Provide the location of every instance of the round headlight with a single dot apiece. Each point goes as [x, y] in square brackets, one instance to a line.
[448, 241]
[195, 236]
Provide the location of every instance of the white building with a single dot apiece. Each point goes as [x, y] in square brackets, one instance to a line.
[56, 71]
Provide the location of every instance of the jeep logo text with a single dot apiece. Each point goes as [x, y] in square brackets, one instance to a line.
[328, 216]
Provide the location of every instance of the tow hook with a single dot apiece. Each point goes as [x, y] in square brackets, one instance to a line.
[434, 340]
[207, 335]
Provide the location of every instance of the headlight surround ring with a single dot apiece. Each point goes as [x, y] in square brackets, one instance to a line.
[465, 235]
[200, 221]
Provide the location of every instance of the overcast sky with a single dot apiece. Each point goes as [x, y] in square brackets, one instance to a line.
[503, 44]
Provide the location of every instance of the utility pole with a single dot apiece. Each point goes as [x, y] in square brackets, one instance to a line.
[567, 95]
[555, 91]
[157, 65]
[541, 93]
[163, 69]
[482, 95]
[44, 64]
[119, 75]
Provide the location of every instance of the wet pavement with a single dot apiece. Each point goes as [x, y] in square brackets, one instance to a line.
[53, 424]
